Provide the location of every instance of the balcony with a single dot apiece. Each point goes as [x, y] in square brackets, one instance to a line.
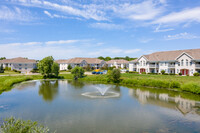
[171, 66]
[153, 66]
[197, 65]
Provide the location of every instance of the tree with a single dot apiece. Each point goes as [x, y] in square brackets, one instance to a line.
[78, 72]
[55, 69]
[48, 67]
[108, 58]
[114, 75]
[101, 58]
[88, 68]
[2, 58]
[69, 67]
[1, 69]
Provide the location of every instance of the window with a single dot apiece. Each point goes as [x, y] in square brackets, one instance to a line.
[25, 68]
[190, 63]
[177, 71]
[20, 68]
[20, 64]
[144, 63]
[140, 63]
[182, 62]
[25, 64]
[187, 62]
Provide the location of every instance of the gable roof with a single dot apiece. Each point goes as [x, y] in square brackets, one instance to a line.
[18, 60]
[172, 55]
[120, 61]
[78, 60]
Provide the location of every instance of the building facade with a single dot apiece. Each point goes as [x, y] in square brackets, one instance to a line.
[118, 63]
[21, 64]
[82, 62]
[186, 62]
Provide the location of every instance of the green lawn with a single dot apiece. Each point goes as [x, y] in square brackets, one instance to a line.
[9, 73]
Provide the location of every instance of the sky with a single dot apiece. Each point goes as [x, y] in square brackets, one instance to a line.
[91, 28]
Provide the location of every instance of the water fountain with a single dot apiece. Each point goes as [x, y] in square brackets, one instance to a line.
[101, 93]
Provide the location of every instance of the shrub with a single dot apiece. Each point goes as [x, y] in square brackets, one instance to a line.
[196, 74]
[35, 70]
[114, 75]
[180, 74]
[1, 69]
[163, 72]
[8, 68]
[16, 71]
[191, 87]
[78, 72]
[55, 69]
[174, 84]
[13, 125]
[133, 72]
[172, 74]
[69, 67]
[143, 73]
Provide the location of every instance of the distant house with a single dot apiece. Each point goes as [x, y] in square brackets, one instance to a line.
[82, 62]
[186, 62]
[21, 64]
[121, 63]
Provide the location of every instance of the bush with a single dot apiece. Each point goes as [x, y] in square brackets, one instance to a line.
[13, 125]
[1, 69]
[191, 87]
[143, 73]
[69, 67]
[180, 74]
[35, 70]
[163, 72]
[114, 75]
[133, 72]
[172, 74]
[8, 68]
[196, 74]
[16, 71]
[78, 72]
[174, 84]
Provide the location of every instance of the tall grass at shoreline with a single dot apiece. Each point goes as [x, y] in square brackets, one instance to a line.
[188, 84]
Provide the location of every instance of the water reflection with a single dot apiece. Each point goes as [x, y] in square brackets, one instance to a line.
[185, 106]
[76, 84]
[48, 89]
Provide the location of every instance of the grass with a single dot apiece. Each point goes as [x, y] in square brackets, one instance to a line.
[181, 83]
[9, 73]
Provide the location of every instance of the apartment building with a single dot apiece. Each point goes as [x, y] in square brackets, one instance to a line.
[21, 64]
[186, 62]
[121, 63]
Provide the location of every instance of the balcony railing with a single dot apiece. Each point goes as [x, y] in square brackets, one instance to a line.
[153, 66]
[197, 65]
[171, 65]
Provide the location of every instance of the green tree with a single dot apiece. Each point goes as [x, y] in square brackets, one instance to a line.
[2, 58]
[101, 58]
[108, 58]
[47, 67]
[69, 67]
[55, 69]
[114, 75]
[1, 69]
[78, 72]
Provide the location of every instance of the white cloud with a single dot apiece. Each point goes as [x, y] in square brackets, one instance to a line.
[183, 16]
[145, 40]
[108, 26]
[61, 42]
[146, 10]
[184, 35]
[15, 13]
[162, 30]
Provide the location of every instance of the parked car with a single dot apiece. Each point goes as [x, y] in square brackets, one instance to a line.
[94, 72]
[99, 72]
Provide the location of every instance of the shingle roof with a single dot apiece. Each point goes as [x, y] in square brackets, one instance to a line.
[120, 61]
[79, 60]
[18, 60]
[172, 55]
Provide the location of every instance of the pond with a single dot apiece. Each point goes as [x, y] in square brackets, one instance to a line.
[63, 107]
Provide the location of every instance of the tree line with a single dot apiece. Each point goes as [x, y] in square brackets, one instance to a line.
[116, 58]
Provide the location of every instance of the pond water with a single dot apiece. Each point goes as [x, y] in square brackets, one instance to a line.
[61, 106]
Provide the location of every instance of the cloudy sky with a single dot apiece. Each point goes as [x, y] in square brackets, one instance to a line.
[92, 28]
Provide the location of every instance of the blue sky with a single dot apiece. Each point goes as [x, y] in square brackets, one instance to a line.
[92, 28]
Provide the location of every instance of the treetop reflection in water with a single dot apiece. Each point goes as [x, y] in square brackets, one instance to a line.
[60, 105]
